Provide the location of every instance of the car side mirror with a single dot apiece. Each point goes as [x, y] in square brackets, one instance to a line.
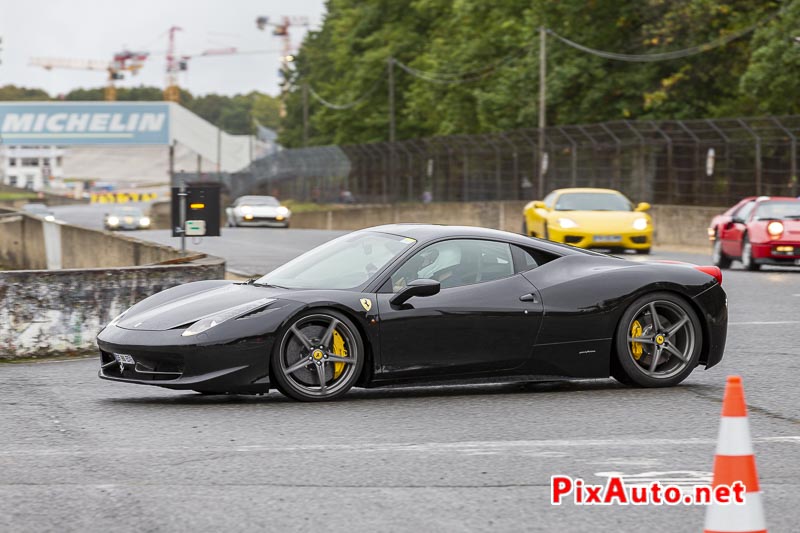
[538, 204]
[418, 287]
[642, 207]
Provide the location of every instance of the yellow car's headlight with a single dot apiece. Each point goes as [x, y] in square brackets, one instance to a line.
[640, 224]
[567, 223]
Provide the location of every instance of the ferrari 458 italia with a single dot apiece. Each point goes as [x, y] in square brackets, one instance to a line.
[590, 218]
[757, 231]
[411, 303]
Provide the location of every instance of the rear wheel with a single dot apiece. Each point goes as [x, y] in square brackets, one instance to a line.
[319, 357]
[658, 341]
[718, 257]
[747, 255]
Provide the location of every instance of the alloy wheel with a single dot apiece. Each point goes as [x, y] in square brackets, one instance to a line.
[661, 339]
[319, 356]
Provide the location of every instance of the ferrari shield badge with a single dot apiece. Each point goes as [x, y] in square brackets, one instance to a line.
[366, 303]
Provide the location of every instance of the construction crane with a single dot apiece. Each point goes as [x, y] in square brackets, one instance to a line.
[124, 61]
[171, 92]
[281, 29]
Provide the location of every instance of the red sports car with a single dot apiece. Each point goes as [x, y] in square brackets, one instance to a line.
[762, 230]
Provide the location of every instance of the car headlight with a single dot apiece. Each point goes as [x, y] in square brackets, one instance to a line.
[144, 221]
[775, 228]
[50, 218]
[216, 319]
[113, 221]
[640, 224]
[567, 223]
[283, 211]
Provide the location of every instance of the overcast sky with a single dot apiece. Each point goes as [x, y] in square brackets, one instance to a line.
[95, 29]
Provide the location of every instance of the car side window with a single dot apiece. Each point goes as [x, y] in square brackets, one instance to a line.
[550, 199]
[526, 259]
[457, 262]
[744, 212]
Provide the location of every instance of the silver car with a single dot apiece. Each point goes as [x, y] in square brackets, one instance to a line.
[126, 218]
[258, 211]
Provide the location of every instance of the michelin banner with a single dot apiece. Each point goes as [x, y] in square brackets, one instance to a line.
[60, 123]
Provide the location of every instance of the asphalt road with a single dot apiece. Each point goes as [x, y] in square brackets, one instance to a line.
[80, 454]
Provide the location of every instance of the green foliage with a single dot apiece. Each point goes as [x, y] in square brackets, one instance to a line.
[234, 114]
[495, 46]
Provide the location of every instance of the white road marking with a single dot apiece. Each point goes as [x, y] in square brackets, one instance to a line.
[468, 448]
[673, 477]
[764, 323]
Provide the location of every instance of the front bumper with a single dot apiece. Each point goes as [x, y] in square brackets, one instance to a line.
[582, 238]
[165, 359]
[777, 253]
[266, 222]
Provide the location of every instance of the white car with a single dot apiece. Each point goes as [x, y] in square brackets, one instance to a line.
[258, 211]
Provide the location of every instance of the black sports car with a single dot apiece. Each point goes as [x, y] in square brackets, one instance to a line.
[411, 303]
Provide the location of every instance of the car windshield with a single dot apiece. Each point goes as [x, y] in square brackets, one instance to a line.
[128, 212]
[778, 209]
[592, 201]
[344, 263]
[258, 200]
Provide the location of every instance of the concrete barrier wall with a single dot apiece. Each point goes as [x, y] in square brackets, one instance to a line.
[674, 225]
[93, 276]
[60, 312]
[27, 242]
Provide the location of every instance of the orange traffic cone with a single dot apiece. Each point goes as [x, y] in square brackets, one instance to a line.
[734, 461]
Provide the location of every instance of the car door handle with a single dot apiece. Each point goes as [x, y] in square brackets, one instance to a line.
[528, 298]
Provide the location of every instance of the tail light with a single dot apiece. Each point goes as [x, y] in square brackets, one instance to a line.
[713, 271]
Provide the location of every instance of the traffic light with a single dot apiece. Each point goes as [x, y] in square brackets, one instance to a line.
[202, 210]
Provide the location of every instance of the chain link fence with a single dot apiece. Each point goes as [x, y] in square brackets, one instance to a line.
[693, 162]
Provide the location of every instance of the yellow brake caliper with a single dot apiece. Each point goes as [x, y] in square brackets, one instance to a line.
[340, 350]
[636, 347]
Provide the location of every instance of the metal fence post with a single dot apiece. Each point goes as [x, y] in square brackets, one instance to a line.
[573, 176]
[758, 154]
[792, 156]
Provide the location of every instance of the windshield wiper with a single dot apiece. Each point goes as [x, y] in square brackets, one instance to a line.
[270, 285]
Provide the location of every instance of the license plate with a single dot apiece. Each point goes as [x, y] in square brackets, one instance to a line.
[607, 238]
[124, 358]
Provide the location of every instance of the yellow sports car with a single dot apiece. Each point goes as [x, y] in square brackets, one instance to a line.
[590, 218]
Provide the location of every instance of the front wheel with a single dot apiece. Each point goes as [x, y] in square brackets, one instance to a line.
[718, 257]
[319, 357]
[747, 255]
[658, 341]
